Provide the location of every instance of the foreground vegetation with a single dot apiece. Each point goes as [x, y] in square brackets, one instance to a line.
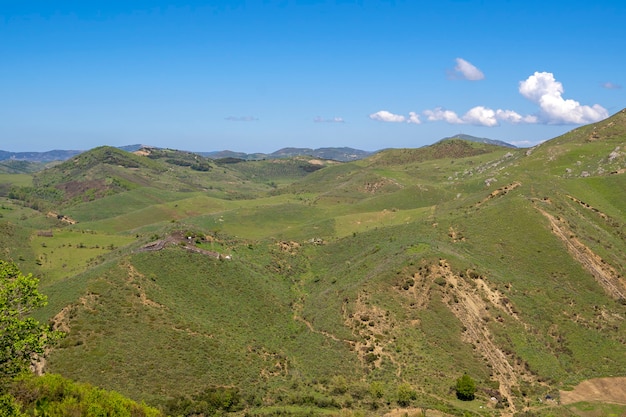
[301, 287]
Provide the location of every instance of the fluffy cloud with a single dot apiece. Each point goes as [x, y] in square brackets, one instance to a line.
[479, 116]
[414, 118]
[542, 88]
[513, 117]
[441, 114]
[241, 118]
[385, 116]
[467, 70]
[319, 119]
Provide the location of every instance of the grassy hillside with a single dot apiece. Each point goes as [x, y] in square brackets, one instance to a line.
[309, 287]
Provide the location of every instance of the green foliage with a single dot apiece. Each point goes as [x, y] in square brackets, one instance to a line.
[21, 336]
[9, 407]
[54, 396]
[465, 388]
[38, 198]
[208, 402]
[377, 389]
[405, 394]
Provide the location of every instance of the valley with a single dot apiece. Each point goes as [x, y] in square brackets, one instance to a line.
[308, 286]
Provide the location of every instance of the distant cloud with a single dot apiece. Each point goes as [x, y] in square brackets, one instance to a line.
[441, 114]
[611, 86]
[319, 119]
[479, 116]
[385, 116]
[241, 118]
[514, 118]
[540, 88]
[414, 118]
[543, 89]
[467, 71]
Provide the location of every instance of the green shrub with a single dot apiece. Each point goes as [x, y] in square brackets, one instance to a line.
[465, 388]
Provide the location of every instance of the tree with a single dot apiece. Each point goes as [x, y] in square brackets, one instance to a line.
[465, 388]
[21, 337]
[405, 395]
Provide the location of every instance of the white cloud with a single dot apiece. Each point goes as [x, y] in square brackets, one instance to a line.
[441, 114]
[513, 117]
[468, 71]
[385, 116]
[241, 118]
[319, 119]
[543, 89]
[414, 118]
[481, 116]
[611, 86]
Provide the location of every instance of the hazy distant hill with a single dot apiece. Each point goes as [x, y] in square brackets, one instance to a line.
[336, 154]
[49, 156]
[342, 154]
[480, 140]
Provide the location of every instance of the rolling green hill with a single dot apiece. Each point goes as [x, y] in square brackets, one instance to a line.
[309, 287]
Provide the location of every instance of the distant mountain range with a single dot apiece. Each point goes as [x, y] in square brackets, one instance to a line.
[49, 156]
[342, 154]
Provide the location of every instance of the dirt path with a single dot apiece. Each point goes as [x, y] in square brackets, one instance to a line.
[606, 390]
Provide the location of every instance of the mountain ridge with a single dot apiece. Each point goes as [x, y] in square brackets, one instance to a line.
[343, 154]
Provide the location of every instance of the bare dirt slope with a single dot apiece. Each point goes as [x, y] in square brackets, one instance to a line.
[604, 273]
[607, 390]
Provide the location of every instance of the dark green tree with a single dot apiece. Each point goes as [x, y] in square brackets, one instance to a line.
[465, 388]
[22, 338]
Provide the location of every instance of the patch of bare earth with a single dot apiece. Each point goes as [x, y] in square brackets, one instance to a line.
[414, 412]
[468, 303]
[178, 239]
[134, 279]
[475, 304]
[499, 192]
[371, 325]
[277, 364]
[605, 390]
[73, 189]
[61, 322]
[604, 273]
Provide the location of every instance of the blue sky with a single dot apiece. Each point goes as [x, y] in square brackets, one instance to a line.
[256, 76]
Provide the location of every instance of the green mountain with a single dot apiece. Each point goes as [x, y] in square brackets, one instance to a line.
[305, 287]
[481, 140]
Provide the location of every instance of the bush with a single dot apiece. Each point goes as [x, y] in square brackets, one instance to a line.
[9, 407]
[465, 388]
[405, 395]
[54, 395]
